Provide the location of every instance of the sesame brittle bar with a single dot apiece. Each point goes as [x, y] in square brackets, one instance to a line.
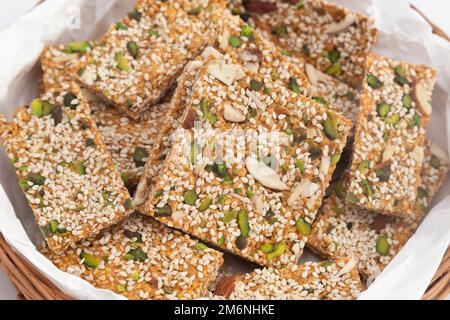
[129, 141]
[64, 168]
[143, 259]
[374, 239]
[257, 202]
[326, 280]
[141, 56]
[233, 39]
[390, 132]
[332, 38]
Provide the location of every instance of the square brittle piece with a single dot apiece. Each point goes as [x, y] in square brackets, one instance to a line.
[143, 259]
[141, 56]
[326, 280]
[332, 38]
[64, 168]
[130, 141]
[390, 132]
[253, 177]
[374, 239]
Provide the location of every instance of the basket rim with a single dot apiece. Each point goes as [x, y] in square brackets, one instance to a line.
[32, 285]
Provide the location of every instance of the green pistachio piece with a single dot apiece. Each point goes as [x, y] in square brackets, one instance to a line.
[246, 31]
[195, 11]
[293, 85]
[229, 216]
[133, 235]
[383, 245]
[421, 193]
[136, 254]
[407, 101]
[267, 247]
[334, 70]
[351, 198]
[200, 246]
[280, 30]
[242, 221]
[79, 167]
[235, 41]
[363, 166]
[36, 179]
[278, 252]
[274, 75]
[334, 55]
[204, 205]
[120, 288]
[139, 155]
[36, 108]
[335, 158]
[221, 241]
[89, 142]
[374, 82]
[153, 33]
[129, 204]
[132, 48]
[400, 76]
[330, 127]
[303, 227]
[326, 264]
[121, 26]
[77, 47]
[417, 120]
[90, 260]
[339, 189]
[255, 85]
[383, 109]
[300, 164]
[190, 197]
[164, 211]
[136, 15]
[122, 63]
[367, 188]
[384, 173]
[392, 120]
[68, 100]
[435, 162]
[193, 153]
[205, 108]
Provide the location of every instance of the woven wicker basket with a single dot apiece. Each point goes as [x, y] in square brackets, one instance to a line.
[32, 285]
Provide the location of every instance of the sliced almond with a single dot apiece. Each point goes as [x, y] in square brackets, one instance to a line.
[422, 98]
[258, 202]
[193, 65]
[226, 286]
[325, 165]
[341, 25]
[142, 191]
[189, 118]
[417, 154]
[227, 73]
[315, 76]
[233, 114]
[178, 215]
[284, 139]
[223, 40]
[88, 77]
[388, 153]
[65, 57]
[310, 133]
[265, 175]
[298, 190]
[252, 66]
[349, 266]
[211, 52]
[439, 153]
